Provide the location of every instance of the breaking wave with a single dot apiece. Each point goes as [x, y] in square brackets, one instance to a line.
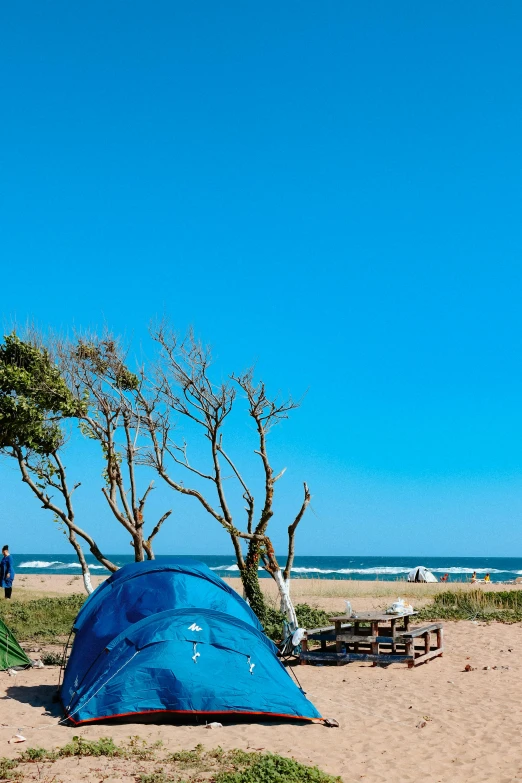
[378, 570]
[320, 568]
[55, 565]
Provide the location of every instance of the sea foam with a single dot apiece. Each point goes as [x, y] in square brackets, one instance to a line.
[55, 564]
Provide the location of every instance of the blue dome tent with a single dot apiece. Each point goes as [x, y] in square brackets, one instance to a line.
[141, 589]
[203, 654]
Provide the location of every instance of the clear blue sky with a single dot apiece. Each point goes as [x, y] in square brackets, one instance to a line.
[331, 189]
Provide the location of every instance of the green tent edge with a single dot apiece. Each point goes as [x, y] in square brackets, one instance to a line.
[11, 654]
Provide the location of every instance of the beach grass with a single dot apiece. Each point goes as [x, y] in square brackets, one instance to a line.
[502, 606]
[41, 619]
[355, 588]
[151, 764]
[313, 589]
[50, 618]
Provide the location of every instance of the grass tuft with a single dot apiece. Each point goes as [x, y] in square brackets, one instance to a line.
[105, 746]
[502, 606]
[187, 757]
[38, 754]
[8, 769]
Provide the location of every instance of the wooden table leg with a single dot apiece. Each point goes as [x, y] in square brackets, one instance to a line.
[440, 637]
[304, 648]
[410, 645]
[410, 651]
[338, 642]
[394, 646]
[375, 645]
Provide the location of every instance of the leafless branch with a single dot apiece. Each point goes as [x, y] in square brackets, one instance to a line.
[147, 545]
[144, 496]
[184, 462]
[66, 518]
[247, 495]
[291, 533]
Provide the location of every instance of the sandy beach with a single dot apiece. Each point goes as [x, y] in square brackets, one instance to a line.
[437, 722]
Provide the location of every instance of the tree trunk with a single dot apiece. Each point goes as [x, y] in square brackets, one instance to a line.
[287, 607]
[251, 586]
[83, 563]
[87, 581]
[139, 551]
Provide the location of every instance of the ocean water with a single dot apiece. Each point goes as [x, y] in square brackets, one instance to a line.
[384, 568]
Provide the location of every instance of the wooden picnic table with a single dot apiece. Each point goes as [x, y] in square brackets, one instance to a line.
[383, 629]
[376, 637]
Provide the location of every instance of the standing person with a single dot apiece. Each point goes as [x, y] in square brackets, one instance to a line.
[6, 572]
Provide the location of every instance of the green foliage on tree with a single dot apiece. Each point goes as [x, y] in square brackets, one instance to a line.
[103, 360]
[33, 398]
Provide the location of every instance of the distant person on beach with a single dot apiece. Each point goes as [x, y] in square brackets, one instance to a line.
[473, 577]
[6, 572]
[486, 578]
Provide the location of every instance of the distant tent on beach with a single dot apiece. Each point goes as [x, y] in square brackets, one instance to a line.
[11, 654]
[421, 574]
[173, 638]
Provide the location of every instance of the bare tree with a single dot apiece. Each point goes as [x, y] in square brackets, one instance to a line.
[109, 397]
[183, 383]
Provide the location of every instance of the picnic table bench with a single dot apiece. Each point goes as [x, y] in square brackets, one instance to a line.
[376, 637]
[323, 635]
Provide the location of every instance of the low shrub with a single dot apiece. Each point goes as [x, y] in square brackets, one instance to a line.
[51, 658]
[307, 617]
[269, 768]
[311, 617]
